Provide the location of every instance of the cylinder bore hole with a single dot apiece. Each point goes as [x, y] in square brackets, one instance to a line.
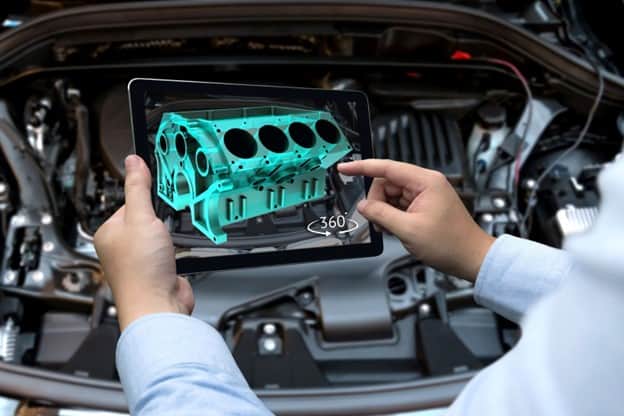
[240, 143]
[302, 135]
[180, 144]
[162, 142]
[202, 162]
[327, 131]
[273, 138]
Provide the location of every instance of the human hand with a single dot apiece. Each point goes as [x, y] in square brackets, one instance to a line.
[137, 255]
[422, 209]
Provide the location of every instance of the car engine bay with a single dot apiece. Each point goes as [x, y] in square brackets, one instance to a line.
[515, 115]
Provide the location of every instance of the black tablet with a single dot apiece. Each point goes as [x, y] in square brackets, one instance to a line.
[245, 175]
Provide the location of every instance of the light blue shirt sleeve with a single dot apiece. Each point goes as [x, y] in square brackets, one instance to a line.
[570, 358]
[172, 364]
[516, 273]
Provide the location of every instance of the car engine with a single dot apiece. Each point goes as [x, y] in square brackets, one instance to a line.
[521, 124]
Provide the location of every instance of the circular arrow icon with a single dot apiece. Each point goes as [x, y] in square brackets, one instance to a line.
[353, 225]
[309, 228]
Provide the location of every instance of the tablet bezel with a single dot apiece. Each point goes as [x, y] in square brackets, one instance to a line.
[139, 87]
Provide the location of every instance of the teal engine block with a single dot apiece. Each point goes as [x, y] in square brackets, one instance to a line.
[229, 165]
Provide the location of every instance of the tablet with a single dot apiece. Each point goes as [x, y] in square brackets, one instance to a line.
[245, 175]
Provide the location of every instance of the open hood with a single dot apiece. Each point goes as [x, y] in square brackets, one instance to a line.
[596, 28]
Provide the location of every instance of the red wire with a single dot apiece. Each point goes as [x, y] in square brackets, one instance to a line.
[525, 84]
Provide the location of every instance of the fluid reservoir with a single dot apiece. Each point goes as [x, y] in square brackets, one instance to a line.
[487, 135]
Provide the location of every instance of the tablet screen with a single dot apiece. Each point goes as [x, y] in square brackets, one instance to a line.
[246, 175]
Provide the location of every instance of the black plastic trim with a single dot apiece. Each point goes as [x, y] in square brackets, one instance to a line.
[71, 391]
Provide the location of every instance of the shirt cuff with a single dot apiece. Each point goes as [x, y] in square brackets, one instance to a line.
[516, 273]
[159, 341]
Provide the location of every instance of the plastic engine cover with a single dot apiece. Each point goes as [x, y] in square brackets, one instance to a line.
[229, 165]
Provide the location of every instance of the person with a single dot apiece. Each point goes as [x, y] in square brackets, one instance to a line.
[569, 360]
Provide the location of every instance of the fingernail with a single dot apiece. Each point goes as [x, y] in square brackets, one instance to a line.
[362, 205]
[132, 161]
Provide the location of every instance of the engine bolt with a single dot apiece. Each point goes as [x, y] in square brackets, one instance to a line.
[499, 203]
[487, 217]
[269, 345]
[48, 246]
[305, 298]
[37, 276]
[269, 329]
[424, 310]
[530, 184]
[111, 311]
[46, 219]
[10, 277]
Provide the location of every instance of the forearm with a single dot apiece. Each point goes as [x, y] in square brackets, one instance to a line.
[516, 273]
[172, 363]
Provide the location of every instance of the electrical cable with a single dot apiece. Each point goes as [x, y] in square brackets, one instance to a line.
[529, 105]
[590, 117]
[512, 186]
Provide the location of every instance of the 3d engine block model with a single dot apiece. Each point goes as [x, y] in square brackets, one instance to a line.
[229, 165]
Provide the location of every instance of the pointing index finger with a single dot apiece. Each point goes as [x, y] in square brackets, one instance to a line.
[399, 173]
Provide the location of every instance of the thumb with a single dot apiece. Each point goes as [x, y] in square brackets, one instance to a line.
[184, 295]
[138, 190]
[385, 215]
